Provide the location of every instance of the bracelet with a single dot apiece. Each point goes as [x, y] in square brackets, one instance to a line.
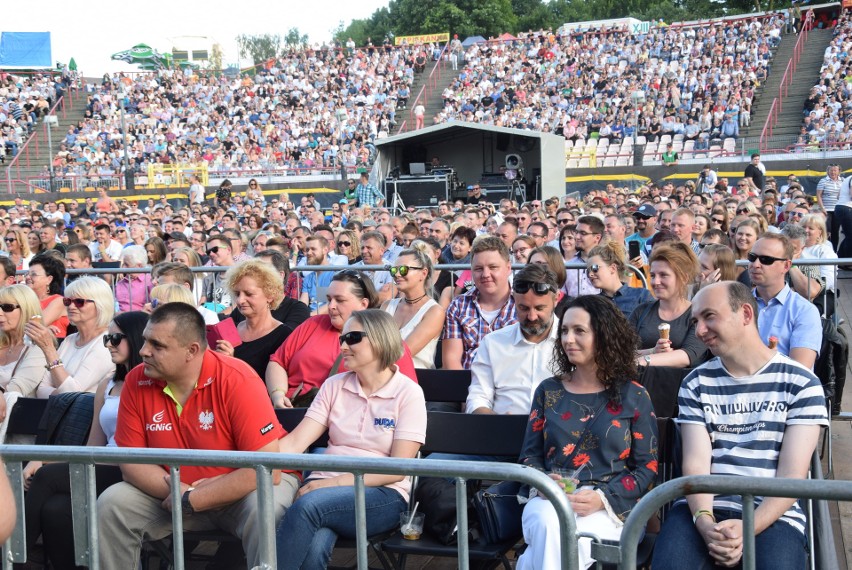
[703, 512]
[53, 365]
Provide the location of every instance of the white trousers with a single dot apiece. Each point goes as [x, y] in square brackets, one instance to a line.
[541, 533]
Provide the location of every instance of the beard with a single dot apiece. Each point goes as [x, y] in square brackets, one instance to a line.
[536, 328]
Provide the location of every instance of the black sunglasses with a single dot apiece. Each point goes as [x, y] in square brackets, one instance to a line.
[764, 259]
[214, 249]
[796, 214]
[402, 269]
[79, 303]
[641, 217]
[718, 220]
[522, 287]
[346, 243]
[114, 339]
[564, 221]
[352, 337]
[9, 240]
[8, 307]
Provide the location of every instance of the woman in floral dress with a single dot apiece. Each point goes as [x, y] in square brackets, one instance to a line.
[595, 423]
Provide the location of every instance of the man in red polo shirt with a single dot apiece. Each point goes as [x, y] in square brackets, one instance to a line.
[187, 397]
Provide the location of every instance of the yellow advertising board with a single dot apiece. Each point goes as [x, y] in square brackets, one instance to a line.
[422, 39]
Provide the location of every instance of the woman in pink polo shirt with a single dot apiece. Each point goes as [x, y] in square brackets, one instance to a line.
[371, 411]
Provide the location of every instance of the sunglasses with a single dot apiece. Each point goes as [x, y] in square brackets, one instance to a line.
[79, 303]
[214, 249]
[584, 233]
[8, 307]
[593, 268]
[564, 221]
[641, 217]
[344, 243]
[796, 214]
[114, 339]
[718, 220]
[10, 240]
[763, 259]
[522, 287]
[402, 269]
[352, 337]
[742, 210]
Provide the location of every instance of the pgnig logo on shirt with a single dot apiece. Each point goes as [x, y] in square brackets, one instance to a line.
[157, 423]
[386, 423]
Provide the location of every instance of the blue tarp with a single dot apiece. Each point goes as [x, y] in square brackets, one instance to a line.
[25, 50]
[473, 40]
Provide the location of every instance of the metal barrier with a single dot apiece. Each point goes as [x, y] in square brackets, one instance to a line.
[82, 460]
[746, 487]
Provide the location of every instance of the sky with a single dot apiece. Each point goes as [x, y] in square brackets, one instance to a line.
[91, 32]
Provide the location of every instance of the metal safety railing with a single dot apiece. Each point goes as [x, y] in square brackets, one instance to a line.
[746, 487]
[84, 501]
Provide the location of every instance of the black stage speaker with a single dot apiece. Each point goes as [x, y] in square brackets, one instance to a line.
[418, 192]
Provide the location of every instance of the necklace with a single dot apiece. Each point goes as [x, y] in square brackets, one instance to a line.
[415, 301]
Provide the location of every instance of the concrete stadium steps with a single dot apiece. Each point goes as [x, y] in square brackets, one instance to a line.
[39, 160]
[805, 77]
[433, 104]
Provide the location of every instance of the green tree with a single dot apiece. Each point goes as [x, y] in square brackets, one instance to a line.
[295, 38]
[260, 47]
[215, 61]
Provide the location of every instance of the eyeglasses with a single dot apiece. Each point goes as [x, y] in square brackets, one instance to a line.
[10, 240]
[718, 220]
[796, 214]
[402, 269]
[344, 243]
[593, 268]
[214, 249]
[114, 339]
[743, 211]
[522, 287]
[641, 217]
[120, 231]
[564, 221]
[536, 236]
[8, 307]
[763, 259]
[352, 337]
[584, 233]
[79, 303]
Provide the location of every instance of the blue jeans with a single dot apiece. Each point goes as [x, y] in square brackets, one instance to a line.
[679, 545]
[310, 527]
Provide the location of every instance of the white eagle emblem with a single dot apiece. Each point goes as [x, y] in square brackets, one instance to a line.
[205, 419]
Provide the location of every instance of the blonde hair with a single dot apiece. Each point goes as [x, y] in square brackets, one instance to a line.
[22, 242]
[172, 293]
[264, 274]
[27, 300]
[98, 291]
[816, 221]
[194, 258]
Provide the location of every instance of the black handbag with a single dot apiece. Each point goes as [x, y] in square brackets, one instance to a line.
[499, 511]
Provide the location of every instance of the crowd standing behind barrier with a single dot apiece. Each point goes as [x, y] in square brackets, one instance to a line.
[222, 233]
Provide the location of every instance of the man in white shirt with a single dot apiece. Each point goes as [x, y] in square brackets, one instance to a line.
[104, 248]
[510, 362]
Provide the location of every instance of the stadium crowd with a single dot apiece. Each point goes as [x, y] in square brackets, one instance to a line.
[825, 121]
[308, 109]
[696, 81]
[24, 99]
[320, 339]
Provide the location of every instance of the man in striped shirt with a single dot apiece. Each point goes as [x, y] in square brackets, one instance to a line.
[750, 412]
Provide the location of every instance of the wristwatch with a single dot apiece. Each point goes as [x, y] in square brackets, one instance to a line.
[185, 505]
[647, 358]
